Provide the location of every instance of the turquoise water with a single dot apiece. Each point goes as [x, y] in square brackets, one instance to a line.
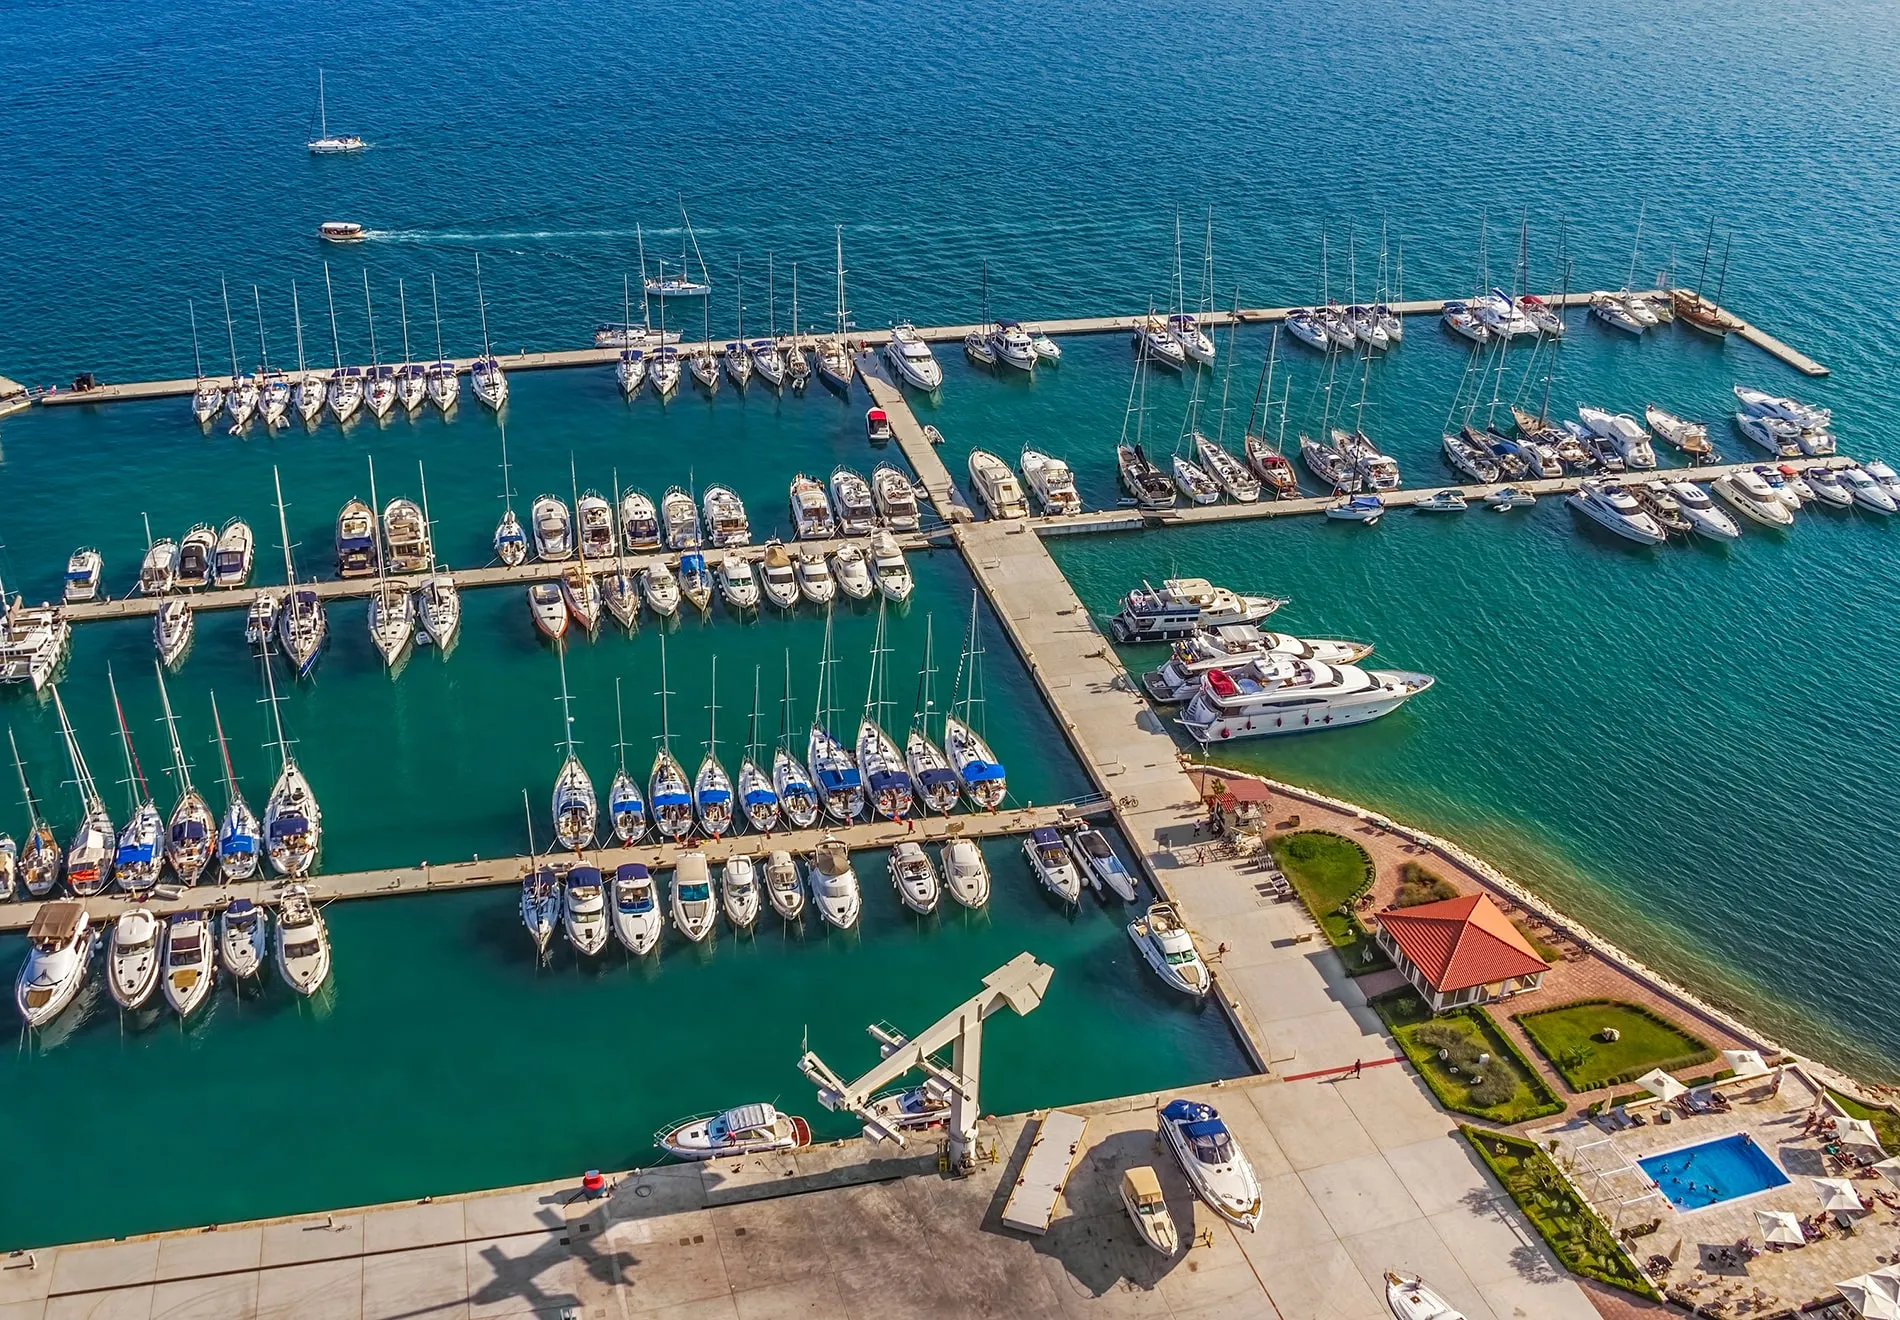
[1689, 747]
[1702, 1175]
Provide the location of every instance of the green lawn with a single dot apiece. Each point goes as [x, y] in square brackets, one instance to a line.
[1503, 1088]
[1329, 871]
[1579, 1238]
[1567, 1037]
[1886, 1122]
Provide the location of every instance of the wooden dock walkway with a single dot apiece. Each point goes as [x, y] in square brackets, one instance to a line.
[425, 878]
[550, 359]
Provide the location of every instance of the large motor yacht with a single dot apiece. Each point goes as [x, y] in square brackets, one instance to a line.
[1281, 695]
[1609, 505]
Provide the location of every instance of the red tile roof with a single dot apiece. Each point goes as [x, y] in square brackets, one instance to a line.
[1461, 942]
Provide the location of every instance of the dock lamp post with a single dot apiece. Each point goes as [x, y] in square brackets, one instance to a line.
[1018, 984]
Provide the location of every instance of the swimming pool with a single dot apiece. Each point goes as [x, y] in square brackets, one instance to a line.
[1695, 1176]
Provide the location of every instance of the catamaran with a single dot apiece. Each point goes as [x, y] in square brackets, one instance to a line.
[238, 831]
[667, 795]
[757, 796]
[89, 853]
[189, 844]
[626, 809]
[39, 860]
[301, 623]
[485, 376]
[136, 862]
[712, 786]
[323, 144]
[978, 770]
[840, 785]
[293, 822]
[934, 782]
[797, 798]
[575, 808]
[881, 766]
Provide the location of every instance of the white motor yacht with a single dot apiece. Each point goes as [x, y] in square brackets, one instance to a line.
[1101, 865]
[639, 523]
[584, 910]
[748, 1130]
[553, 528]
[694, 907]
[778, 580]
[59, 946]
[1614, 311]
[1052, 483]
[1443, 501]
[889, 568]
[661, 589]
[895, 498]
[1281, 695]
[852, 571]
[232, 557]
[815, 581]
[548, 609]
[782, 886]
[1050, 860]
[596, 519]
[737, 583]
[1751, 497]
[193, 569]
[1622, 431]
[726, 522]
[1779, 437]
[1763, 404]
[911, 359]
[1609, 505]
[1046, 348]
[914, 878]
[190, 962]
[812, 518]
[1868, 493]
[1409, 1299]
[1692, 438]
[158, 571]
[1012, 347]
[243, 939]
[679, 517]
[1828, 487]
[1215, 1166]
[1232, 646]
[833, 884]
[739, 891]
[1785, 491]
[965, 874]
[134, 955]
[996, 486]
[83, 573]
[1169, 949]
[636, 909]
[1705, 519]
[302, 944]
[852, 499]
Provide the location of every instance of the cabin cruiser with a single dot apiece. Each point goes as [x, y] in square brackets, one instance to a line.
[1100, 864]
[1610, 505]
[1215, 1166]
[59, 947]
[1700, 513]
[782, 886]
[190, 962]
[1622, 431]
[965, 874]
[548, 610]
[1282, 695]
[231, 556]
[661, 589]
[852, 571]
[811, 510]
[1692, 438]
[739, 891]
[1830, 489]
[1194, 483]
[553, 528]
[981, 774]
[726, 523]
[777, 579]
[889, 568]
[1409, 1299]
[910, 358]
[668, 798]
[797, 798]
[679, 519]
[1148, 1210]
[596, 518]
[243, 939]
[1367, 509]
[851, 497]
[1168, 948]
[1778, 437]
[302, 945]
[584, 910]
[1050, 860]
[833, 884]
[1442, 501]
[344, 393]
[1306, 328]
[1155, 342]
[996, 485]
[193, 568]
[1880, 471]
[737, 582]
[1052, 483]
[1460, 319]
[541, 908]
[636, 909]
[133, 958]
[815, 582]
[1148, 485]
[355, 540]
[1011, 345]
[1752, 497]
[748, 1130]
[1232, 646]
[1868, 493]
[1228, 472]
[694, 909]
[1181, 607]
[83, 573]
[895, 498]
[1786, 491]
[914, 878]
[1333, 468]
[1762, 404]
[172, 632]
[158, 571]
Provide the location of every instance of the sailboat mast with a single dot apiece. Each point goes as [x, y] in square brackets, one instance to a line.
[277, 717]
[402, 301]
[1635, 247]
[712, 708]
[229, 331]
[620, 727]
[1722, 281]
[481, 301]
[134, 776]
[841, 310]
[1228, 379]
[567, 719]
[370, 312]
[528, 811]
[427, 527]
[666, 730]
[197, 359]
[171, 728]
[771, 298]
[646, 311]
[224, 751]
[436, 303]
[336, 347]
[263, 348]
[752, 730]
[323, 114]
[375, 519]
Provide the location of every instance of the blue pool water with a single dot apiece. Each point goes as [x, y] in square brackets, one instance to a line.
[1695, 1176]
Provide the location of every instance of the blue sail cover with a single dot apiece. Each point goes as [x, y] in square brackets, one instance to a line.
[1187, 1111]
[189, 831]
[693, 563]
[290, 825]
[982, 772]
[937, 776]
[760, 796]
[132, 854]
[885, 780]
[671, 798]
[239, 845]
[714, 795]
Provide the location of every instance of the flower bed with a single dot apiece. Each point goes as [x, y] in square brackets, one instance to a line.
[1450, 1052]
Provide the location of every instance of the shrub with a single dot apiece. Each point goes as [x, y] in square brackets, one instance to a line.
[1418, 885]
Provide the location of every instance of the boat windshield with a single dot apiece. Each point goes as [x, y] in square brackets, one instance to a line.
[695, 893]
[1210, 1142]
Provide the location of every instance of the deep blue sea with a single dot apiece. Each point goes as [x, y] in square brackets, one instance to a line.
[1692, 748]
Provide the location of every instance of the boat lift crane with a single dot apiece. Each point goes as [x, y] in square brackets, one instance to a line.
[1018, 984]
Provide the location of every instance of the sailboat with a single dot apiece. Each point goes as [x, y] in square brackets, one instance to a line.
[797, 798]
[240, 403]
[796, 365]
[880, 764]
[835, 365]
[274, 390]
[301, 623]
[738, 358]
[981, 774]
[1188, 476]
[444, 386]
[412, 378]
[1187, 327]
[667, 796]
[323, 144]
[89, 854]
[576, 810]
[976, 344]
[704, 364]
[631, 369]
[840, 786]
[485, 376]
[136, 862]
[618, 589]
[345, 391]
[712, 787]
[392, 614]
[438, 603]
[680, 286]
[540, 894]
[379, 389]
[930, 773]
[511, 542]
[625, 807]
[1228, 472]
[39, 860]
[238, 832]
[663, 368]
[293, 823]
[207, 400]
[1146, 484]
[309, 389]
[1268, 461]
[188, 839]
[765, 355]
[757, 795]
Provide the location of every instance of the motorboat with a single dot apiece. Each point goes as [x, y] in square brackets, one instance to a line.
[694, 907]
[1751, 497]
[134, 955]
[193, 569]
[1779, 437]
[815, 582]
[1193, 482]
[1183, 606]
[1148, 1210]
[1692, 438]
[1622, 431]
[895, 498]
[661, 589]
[581, 595]
[584, 910]
[639, 523]
[243, 939]
[1155, 342]
[996, 485]
[355, 540]
[1101, 866]
[1655, 500]
[1784, 490]
[739, 891]
[301, 945]
[889, 569]
[852, 499]
[1797, 482]
[1615, 312]
[965, 874]
[1762, 404]
[190, 962]
[1049, 858]
[737, 582]
[811, 510]
[914, 878]
[1828, 487]
[1442, 501]
[636, 909]
[797, 797]
[1228, 472]
[767, 361]
[1409, 1299]
[1282, 695]
[783, 888]
[553, 528]
[596, 519]
[158, 571]
[756, 1129]
[172, 629]
[1610, 505]
[1506, 498]
[1367, 509]
[668, 797]
[1334, 470]
[1215, 1166]
[777, 579]
[1461, 320]
[1169, 949]
[83, 573]
[1012, 347]
[679, 519]
[233, 555]
[726, 522]
[541, 908]
[548, 610]
[917, 1109]
[911, 359]
[877, 426]
[438, 609]
[59, 947]
[574, 808]
[852, 571]
[1232, 646]
[344, 393]
[833, 884]
[1146, 484]
[1052, 483]
[1868, 493]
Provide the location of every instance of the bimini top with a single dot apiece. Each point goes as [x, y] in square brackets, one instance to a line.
[57, 922]
[583, 875]
[1046, 837]
[937, 774]
[691, 869]
[835, 780]
[885, 780]
[714, 795]
[240, 907]
[192, 830]
[747, 1118]
[290, 825]
[632, 871]
[982, 772]
[758, 796]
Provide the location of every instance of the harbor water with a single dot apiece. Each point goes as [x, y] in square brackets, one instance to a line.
[1688, 747]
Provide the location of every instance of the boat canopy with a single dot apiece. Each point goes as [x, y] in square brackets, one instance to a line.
[673, 798]
[1045, 837]
[132, 854]
[240, 907]
[691, 869]
[242, 845]
[57, 922]
[747, 1118]
[189, 830]
[714, 795]
[937, 775]
[883, 780]
[982, 772]
[1142, 1186]
[292, 824]
[834, 781]
[693, 563]
[583, 875]
[759, 797]
[632, 871]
